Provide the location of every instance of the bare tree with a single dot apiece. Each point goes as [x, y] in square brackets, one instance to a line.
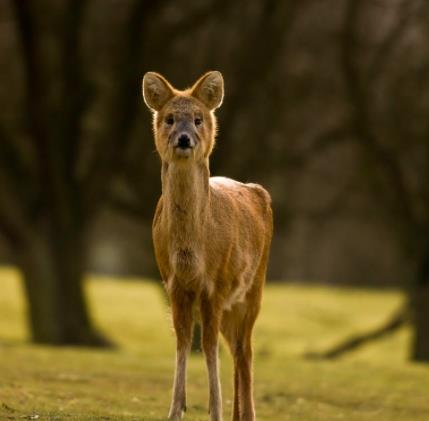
[47, 202]
[399, 191]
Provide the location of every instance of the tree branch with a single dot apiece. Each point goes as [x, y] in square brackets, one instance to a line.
[35, 87]
[76, 94]
[382, 156]
[123, 110]
[398, 319]
[276, 21]
[12, 192]
[381, 59]
[57, 195]
[52, 193]
[12, 167]
[13, 223]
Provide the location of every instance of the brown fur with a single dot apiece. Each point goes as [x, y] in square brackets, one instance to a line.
[211, 238]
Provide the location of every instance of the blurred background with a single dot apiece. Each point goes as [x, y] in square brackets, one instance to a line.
[326, 105]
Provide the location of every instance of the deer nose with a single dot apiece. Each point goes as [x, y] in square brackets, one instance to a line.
[184, 142]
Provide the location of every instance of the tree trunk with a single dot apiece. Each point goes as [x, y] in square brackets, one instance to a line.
[196, 338]
[421, 326]
[52, 272]
[420, 303]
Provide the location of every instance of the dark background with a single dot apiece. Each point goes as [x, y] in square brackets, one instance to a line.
[326, 105]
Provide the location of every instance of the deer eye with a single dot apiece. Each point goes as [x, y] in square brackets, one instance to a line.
[198, 121]
[169, 120]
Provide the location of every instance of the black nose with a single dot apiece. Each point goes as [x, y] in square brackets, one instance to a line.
[184, 142]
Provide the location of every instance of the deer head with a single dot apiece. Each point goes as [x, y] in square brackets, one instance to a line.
[183, 121]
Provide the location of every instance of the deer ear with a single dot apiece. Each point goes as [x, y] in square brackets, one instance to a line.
[209, 89]
[156, 90]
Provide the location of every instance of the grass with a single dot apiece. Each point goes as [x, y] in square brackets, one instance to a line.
[133, 382]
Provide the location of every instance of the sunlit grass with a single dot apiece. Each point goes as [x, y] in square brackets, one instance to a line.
[133, 382]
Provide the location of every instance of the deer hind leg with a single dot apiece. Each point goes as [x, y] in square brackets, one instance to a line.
[182, 307]
[229, 328]
[237, 326]
[243, 364]
[210, 316]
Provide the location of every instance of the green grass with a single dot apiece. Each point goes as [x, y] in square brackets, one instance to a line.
[133, 382]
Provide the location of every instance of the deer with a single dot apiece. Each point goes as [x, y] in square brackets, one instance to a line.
[211, 238]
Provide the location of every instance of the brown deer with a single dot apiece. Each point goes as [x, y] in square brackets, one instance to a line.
[211, 237]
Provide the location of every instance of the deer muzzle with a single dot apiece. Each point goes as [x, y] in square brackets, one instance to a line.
[184, 144]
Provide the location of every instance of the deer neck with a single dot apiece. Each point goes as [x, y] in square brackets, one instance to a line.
[185, 191]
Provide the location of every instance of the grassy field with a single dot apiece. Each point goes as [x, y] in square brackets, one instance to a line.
[133, 382]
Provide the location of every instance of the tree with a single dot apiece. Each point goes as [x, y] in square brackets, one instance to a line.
[406, 205]
[379, 100]
[48, 201]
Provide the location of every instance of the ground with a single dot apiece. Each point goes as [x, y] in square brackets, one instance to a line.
[133, 382]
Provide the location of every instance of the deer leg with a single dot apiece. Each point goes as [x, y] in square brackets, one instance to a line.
[229, 331]
[181, 304]
[243, 365]
[237, 326]
[210, 316]
[243, 350]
